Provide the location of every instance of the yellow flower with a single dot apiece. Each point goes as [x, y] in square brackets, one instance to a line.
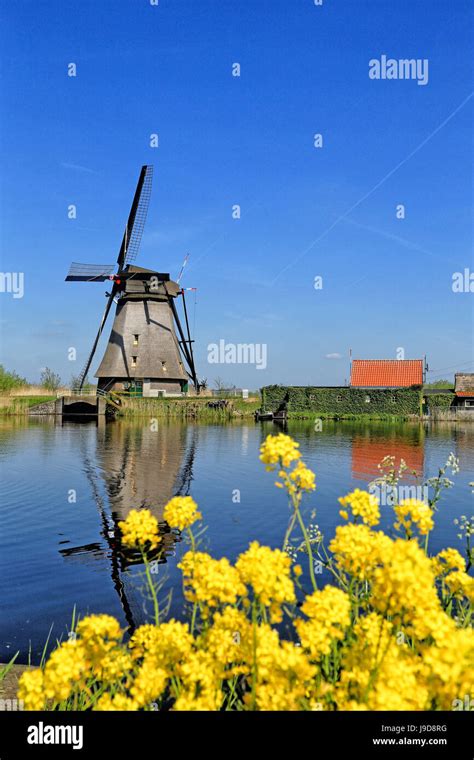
[298, 571]
[140, 530]
[461, 585]
[181, 512]
[226, 641]
[167, 644]
[65, 671]
[363, 505]
[358, 550]
[417, 512]
[448, 666]
[210, 581]
[268, 572]
[303, 477]
[114, 665]
[284, 676]
[200, 677]
[378, 673]
[446, 560]
[279, 449]
[328, 611]
[404, 588]
[99, 634]
[31, 689]
[149, 684]
[118, 702]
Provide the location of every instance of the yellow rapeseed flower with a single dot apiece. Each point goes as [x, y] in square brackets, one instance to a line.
[167, 643]
[279, 449]
[209, 581]
[404, 587]
[99, 634]
[414, 512]
[328, 611]
[31, 689]
[268, 571]
[65, 671]
[181, 512]
[358, 550]
[447, 560]
[362, 504]
[140, 530]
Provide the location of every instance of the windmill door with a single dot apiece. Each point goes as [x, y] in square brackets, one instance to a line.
[136, 388]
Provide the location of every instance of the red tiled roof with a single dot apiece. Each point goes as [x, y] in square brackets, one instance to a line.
[386, 373]
[465, 393]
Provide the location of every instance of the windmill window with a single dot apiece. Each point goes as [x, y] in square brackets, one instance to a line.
[135, 340]
[163, 365]
[134, 361]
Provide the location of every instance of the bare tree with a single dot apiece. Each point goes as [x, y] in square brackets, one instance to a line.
[50, 380]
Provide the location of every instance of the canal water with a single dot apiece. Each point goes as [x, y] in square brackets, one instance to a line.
[65, 485]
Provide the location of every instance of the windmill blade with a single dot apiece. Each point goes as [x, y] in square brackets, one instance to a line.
[89, 272]
[182, 268]
[85, 369]
[136, 219]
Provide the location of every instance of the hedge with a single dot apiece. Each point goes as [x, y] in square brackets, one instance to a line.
[343, 401]
[440, 401]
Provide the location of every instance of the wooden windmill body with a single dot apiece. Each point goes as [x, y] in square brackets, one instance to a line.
[144, 355]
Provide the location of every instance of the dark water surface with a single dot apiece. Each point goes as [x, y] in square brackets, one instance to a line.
[65, 486]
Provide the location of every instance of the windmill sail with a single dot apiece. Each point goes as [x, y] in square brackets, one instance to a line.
[136, 219]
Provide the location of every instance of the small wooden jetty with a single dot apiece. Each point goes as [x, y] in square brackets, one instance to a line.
[280, 415]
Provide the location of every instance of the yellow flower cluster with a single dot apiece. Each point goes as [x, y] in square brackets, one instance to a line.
[166, 644]
[446, 560]
[448, 665]
[358, 550]
[461, 585]
[414, 511]
[284, 674]
[181, 512]
[64, 671]
[99, 634]
[279, 449]
[403, 587]
[228, 640]
[378, 673]
[209, 581]
[329, 616]
[140, 530]
[361, 504]
[268, 572]
[299, 479]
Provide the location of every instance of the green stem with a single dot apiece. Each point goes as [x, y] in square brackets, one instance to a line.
[308, 549]
[151, 585]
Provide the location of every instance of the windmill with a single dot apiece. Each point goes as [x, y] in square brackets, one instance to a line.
[144, 354]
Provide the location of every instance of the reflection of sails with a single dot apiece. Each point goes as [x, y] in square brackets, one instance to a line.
[134, 467]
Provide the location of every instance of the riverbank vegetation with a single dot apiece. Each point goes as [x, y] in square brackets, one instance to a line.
[390, 630]
[202, 409]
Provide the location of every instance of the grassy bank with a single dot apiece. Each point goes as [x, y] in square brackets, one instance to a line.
[10, 405]
[187, 408]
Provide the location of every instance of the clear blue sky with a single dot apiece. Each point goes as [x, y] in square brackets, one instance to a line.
[249, 141]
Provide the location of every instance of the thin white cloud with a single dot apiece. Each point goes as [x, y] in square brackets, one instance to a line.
[77, 168]
[333, 356]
